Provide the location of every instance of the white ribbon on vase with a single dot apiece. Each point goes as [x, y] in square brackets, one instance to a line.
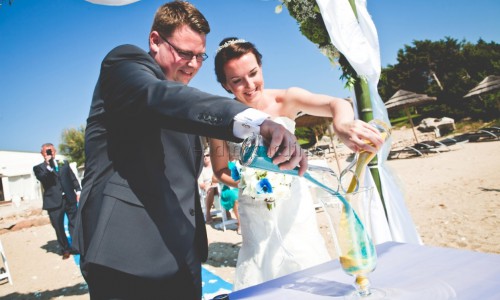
[357, 40]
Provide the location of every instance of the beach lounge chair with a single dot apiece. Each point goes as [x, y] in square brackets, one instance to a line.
[425, 147]
[319, 150]
[437, 146]
[418, 149]
[481, 135]
[446, 144]
[316, 152]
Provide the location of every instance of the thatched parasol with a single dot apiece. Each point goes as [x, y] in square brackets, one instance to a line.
[305, 120]
[405, 99]
[488, 84]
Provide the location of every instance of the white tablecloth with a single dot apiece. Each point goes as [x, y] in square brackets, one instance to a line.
[404, 271]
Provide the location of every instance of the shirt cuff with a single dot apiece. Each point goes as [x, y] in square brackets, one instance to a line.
[248, 122]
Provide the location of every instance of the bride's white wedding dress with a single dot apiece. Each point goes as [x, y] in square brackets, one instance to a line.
[279, 241]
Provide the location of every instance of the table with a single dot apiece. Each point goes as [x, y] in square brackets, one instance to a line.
[404, 271]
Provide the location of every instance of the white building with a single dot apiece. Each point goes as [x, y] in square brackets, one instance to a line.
[18, 182]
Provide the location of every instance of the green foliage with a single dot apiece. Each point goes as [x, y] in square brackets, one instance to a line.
[446, 69]
[309, 19]
[401, 121]
[468, 125]
[314, 29]
[72, 145]
[311, 25]
[306, 136]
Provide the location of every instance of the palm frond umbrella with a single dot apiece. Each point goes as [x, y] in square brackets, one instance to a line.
[488, 84]
[405, 99]
[305, 120]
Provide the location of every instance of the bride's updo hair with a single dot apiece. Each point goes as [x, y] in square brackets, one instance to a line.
[231, 48]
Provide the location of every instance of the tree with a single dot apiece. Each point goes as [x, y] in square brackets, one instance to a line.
[446, 69]
[72, 145]
[309, 134]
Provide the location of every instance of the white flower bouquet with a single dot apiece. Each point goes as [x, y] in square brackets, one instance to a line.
[265, 186]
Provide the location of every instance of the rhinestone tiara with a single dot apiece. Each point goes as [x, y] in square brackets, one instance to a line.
[229, 43]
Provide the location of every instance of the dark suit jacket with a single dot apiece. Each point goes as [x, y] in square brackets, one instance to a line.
[54, 184]
[139, 209]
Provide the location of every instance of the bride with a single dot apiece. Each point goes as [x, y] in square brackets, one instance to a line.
[277, 217]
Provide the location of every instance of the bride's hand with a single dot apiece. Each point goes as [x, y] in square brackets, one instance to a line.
[359, 135]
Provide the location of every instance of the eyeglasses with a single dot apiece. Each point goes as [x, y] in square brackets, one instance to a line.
[187, 55]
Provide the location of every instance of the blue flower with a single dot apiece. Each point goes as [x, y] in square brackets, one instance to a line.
[264, 187]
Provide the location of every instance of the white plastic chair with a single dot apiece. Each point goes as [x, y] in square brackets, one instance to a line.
[218, 211]
[221, 211]
[6, 273]
[202, 201]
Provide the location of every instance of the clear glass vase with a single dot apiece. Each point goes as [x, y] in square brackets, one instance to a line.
[357, 254]
[347, 212]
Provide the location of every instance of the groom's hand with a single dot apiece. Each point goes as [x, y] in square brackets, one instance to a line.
[283, 147]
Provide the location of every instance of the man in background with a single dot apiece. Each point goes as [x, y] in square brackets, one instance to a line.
[61, 192]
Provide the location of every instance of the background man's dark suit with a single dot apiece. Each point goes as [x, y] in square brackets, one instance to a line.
[139, 210]
[54, 185]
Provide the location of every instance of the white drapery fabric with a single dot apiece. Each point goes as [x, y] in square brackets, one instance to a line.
[357, 40]
[112, 2]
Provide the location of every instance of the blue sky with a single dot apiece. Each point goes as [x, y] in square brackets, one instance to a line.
[51, 50]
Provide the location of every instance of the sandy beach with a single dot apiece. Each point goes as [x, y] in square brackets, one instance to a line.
[453, 198]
